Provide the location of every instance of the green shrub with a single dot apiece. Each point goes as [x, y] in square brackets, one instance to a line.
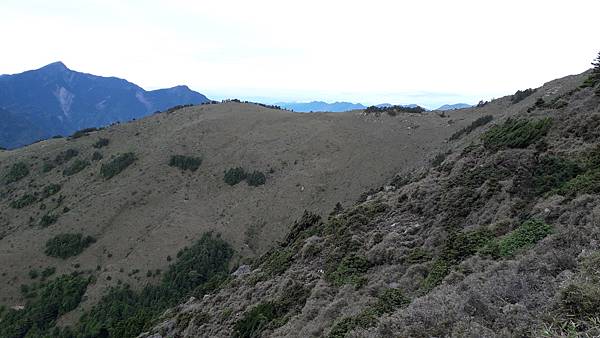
[234, 176]
[47, 272]
[65, 156]
[552, 172]
[520, 95]
[126, 313]
[350, 271]
[46, 304]
[581, 300]
[17, 172]
[83, 132]
[97, 156]
[102, 142]
[23, 201]
[521, 238]
[270, 314]
[48, 219]
[33, 274]
[116, 165]
[470, 128]
[47, 166]
[51, 189]
[516, 133]
[185, 162]
[586, 183]
[438, 159]
[76, 167]
[256, 178]
[67, 245]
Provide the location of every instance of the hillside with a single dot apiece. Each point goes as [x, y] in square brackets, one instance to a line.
[116, 185]
[498, 238]
[55, 100]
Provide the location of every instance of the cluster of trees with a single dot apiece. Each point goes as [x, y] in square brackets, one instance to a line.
[236, 175]
[67, 245]
[183, 162]
[116, 165]
[394, 110]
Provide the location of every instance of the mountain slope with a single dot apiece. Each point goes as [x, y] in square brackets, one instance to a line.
[498, 238]
[144, 215]
[55, 100]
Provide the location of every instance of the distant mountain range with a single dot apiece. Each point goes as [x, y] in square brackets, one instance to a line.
[454, 106]
[320, 106]
[55, 100]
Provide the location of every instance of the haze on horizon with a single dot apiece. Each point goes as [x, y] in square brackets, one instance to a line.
[427, 52]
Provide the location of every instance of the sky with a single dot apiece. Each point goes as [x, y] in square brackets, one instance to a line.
[427, 52]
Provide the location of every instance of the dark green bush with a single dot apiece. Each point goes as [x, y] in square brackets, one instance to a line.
[581, 300]
[97, 156]
[65, 156]
[67, 245]
[17, 172]
[23, 201]
[594, 77]
[234, 176]
[77, 166]
[350, 271]
[116, 165]
[586, 183]
[256, 178]
[48, 219]
[470, 128]
[83, 132]
[520, 95]
[126, 313]
[521, 238]
[46, 303]
[51, 189]
[47, 166]
[552, 172]
[47, 272]
[185, 162]
[270, 314]
[516, 133]
[102, 142]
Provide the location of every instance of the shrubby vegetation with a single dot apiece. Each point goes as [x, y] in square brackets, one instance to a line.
[75, 167]
[102, 142]
[470, 128]
[116, 165]
[83, 132]
[126, 313]
[48, 219]
[67, 245]
[594, 78]
[387, 302]
[51, 189]
[23, 201]
[271, 314]
[65, 156]
[97, 156]
[516, 133]
[183, 162]
[45, 304]
[17, 172]
[394, 110]
[521, 95]
[523, 237]
[234, 176]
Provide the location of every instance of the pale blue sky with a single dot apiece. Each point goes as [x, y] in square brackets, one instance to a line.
[426, 52]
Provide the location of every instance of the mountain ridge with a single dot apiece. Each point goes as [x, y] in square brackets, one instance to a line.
[60, 101]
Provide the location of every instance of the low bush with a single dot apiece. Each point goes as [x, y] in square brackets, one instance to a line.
[65, 156]
[83, 132]
[23, 201]
[586, 183]
[97, 156]
[470, 128]
[552, 172]
[523, 237]
[46, 304]
[256, 178]
[234, 176]
[185, 162]
[516, 133]
[521, 95]
[394, 110]
[581, 300]
[17, 172]
[67, 245]
[271, 314]
[350, 271]
[77, 166]
[48, 219]
[124, 312]
[102, 142]
[50, 189]
[116, 165]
